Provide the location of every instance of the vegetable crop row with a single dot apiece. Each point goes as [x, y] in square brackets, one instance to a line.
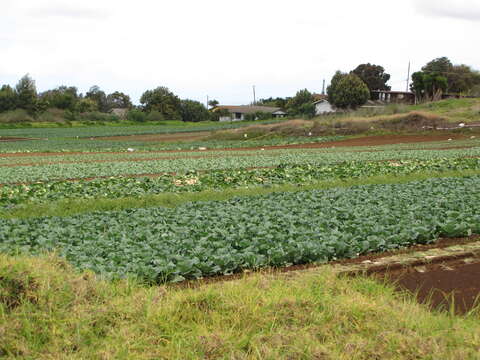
[120, 187]
[209, 238]
[86, 170]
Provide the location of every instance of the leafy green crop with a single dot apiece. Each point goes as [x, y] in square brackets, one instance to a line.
[208, 238]
[118, 187]
[181, 165]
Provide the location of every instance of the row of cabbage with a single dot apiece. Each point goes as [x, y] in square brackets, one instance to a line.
[89, 145]
[120, 187]
[235, 149]
[280, 229]
[119, 130]
[180, 165]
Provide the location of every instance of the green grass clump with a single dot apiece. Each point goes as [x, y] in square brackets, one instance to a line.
[54, 312]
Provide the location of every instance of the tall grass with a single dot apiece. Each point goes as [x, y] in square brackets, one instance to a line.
[47, 310]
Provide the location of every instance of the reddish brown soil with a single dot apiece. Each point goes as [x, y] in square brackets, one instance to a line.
[6, 139]
[452, 284]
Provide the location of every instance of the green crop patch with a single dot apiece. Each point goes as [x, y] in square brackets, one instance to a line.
[210, 238]
[196, 181]
[50, 172]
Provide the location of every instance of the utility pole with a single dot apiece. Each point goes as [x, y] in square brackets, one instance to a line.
[254, 96]
[207, 102]
[323, 87]
[408, 77]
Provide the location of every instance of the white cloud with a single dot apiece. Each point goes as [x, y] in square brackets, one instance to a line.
[69, 12]
[459, 9]
[219, 47]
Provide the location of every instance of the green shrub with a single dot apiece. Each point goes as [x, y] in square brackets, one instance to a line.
[96, 116]
[136, 115]
[16, 116]
[155, 116]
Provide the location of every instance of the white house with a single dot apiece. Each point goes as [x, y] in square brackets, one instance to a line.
[237, 113]
[322, 106]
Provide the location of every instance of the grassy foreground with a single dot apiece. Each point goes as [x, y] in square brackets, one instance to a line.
[48, 311]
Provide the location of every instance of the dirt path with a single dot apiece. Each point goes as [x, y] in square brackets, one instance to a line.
[11, 139]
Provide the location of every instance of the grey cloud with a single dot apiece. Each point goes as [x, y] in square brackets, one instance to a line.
[458, 9]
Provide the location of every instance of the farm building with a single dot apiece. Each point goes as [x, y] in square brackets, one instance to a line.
[237, 113]
[396, 97]
[323, 106]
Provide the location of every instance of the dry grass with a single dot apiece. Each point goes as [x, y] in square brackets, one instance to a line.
[413, 121]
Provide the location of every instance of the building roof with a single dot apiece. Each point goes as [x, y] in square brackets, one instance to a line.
[248, 109]
[320, 101]
[318, 97]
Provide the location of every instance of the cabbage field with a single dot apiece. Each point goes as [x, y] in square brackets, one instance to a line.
[211, 238]
[279, 207]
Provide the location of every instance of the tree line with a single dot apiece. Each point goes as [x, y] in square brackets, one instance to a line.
[156, 105]
[347, 90]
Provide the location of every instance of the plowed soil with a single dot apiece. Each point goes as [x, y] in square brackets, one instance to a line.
[449, 285]
[8, 139]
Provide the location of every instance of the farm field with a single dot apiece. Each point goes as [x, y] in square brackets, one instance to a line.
[118, 237]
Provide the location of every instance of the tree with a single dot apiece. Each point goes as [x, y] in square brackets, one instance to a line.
[118, 100]
[373, 75]
[62, 97]
[193, 111]
[295, 105]
[8, 98]
[213, 103]
[274, 102]
[26, 94]
[439, 66]
[86, 105]
[99, 97]
[347, 91]
[332, 88]
[462, 79]
[162, 100]
[428, 86]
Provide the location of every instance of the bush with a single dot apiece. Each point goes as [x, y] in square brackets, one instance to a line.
[260, 115]
[194, 111]
[16, 116]
[155, 116]
[136, 116]
[96, 116]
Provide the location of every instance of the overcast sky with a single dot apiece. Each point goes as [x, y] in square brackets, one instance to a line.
[221, 48]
